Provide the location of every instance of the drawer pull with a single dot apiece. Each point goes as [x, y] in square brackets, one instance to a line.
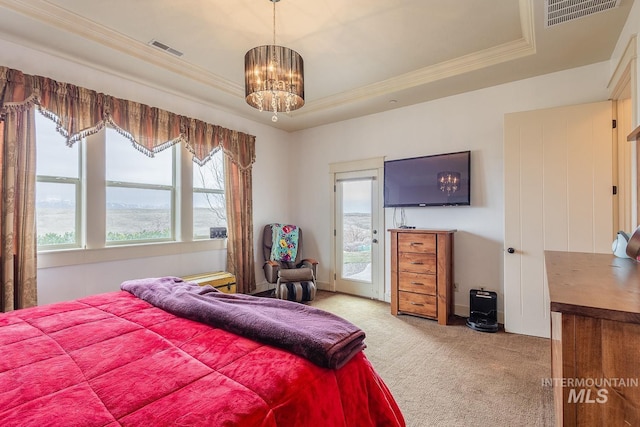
[416, 243]
[417, 283]
[417, 262]
[418, 304]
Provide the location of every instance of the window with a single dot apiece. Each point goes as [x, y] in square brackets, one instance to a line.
[209, 208]
[58, 188]
[140, 193]
[121, 196]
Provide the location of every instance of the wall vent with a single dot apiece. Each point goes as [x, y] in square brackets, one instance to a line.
[162, 46]
[560, 11]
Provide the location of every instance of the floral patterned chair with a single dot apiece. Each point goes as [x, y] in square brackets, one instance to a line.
[295, 277]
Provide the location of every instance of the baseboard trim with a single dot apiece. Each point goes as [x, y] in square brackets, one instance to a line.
[324, 286]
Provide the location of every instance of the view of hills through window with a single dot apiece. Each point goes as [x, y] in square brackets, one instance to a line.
[140, 191]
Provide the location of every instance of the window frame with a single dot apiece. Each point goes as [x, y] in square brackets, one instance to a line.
[140, 186]
[92, 247]
[172, 210]
[204, 190]
[78, 182]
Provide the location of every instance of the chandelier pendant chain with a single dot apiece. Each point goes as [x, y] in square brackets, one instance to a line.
[272, 83]
[274, 23]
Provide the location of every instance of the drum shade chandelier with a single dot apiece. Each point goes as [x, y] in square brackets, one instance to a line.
[274, 77]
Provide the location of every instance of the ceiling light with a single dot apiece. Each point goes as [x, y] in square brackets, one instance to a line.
[274, 77]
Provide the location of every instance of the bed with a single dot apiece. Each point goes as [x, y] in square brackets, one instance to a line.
[116, 359]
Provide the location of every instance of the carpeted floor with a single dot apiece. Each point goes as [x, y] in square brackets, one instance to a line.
[452, 375]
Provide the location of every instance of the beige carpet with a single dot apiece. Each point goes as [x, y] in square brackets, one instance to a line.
[452, 375]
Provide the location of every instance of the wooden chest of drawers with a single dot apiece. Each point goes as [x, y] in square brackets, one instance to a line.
[422, 273]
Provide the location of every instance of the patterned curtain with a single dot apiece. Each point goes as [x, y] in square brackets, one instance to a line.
[79, 112]
[18, 259]
[240, 150]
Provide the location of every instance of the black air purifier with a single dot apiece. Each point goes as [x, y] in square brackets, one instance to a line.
[483, 306]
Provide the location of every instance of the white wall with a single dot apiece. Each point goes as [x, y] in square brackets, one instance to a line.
[58, 281]
[471, 121]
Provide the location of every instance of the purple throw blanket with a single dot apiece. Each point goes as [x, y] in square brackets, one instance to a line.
[324, 338]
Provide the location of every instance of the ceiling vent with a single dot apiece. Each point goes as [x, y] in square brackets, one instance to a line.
[162, 46]
[560, 11]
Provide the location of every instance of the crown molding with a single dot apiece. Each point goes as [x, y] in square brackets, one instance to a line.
[60, 18]
[509, 51]
[464, 64]
[622, 72]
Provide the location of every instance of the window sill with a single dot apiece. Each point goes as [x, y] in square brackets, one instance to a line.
[68, 257]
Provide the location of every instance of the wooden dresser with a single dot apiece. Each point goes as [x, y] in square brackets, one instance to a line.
[422, 273]
[595, 338]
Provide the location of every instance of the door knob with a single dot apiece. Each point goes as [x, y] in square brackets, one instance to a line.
[511, 250]
[375, 240]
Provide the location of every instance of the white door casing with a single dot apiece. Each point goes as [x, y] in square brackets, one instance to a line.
[344, 176]
[558, 167]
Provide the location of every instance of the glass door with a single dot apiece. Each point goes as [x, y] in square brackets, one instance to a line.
[356, 232]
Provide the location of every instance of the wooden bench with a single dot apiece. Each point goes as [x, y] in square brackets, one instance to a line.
[221, 280]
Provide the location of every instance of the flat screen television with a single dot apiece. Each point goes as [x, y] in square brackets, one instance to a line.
[438, 180]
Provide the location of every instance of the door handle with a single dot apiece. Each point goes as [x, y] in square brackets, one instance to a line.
[375, 240]
[511, 250]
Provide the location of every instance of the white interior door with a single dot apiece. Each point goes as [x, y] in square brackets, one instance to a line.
[357, 233]
[558, 196]
[624, 173]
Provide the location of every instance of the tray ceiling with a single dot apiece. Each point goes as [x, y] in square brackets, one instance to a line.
[361, 56]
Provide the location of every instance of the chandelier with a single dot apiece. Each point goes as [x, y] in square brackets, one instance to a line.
[274, 77]
[448, 182]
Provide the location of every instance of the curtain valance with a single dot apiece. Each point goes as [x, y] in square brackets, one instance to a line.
[79, 112]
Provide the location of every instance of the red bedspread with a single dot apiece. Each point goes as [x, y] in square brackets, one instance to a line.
[113, 359]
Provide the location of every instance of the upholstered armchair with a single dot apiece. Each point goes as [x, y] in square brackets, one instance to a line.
[293, 275]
